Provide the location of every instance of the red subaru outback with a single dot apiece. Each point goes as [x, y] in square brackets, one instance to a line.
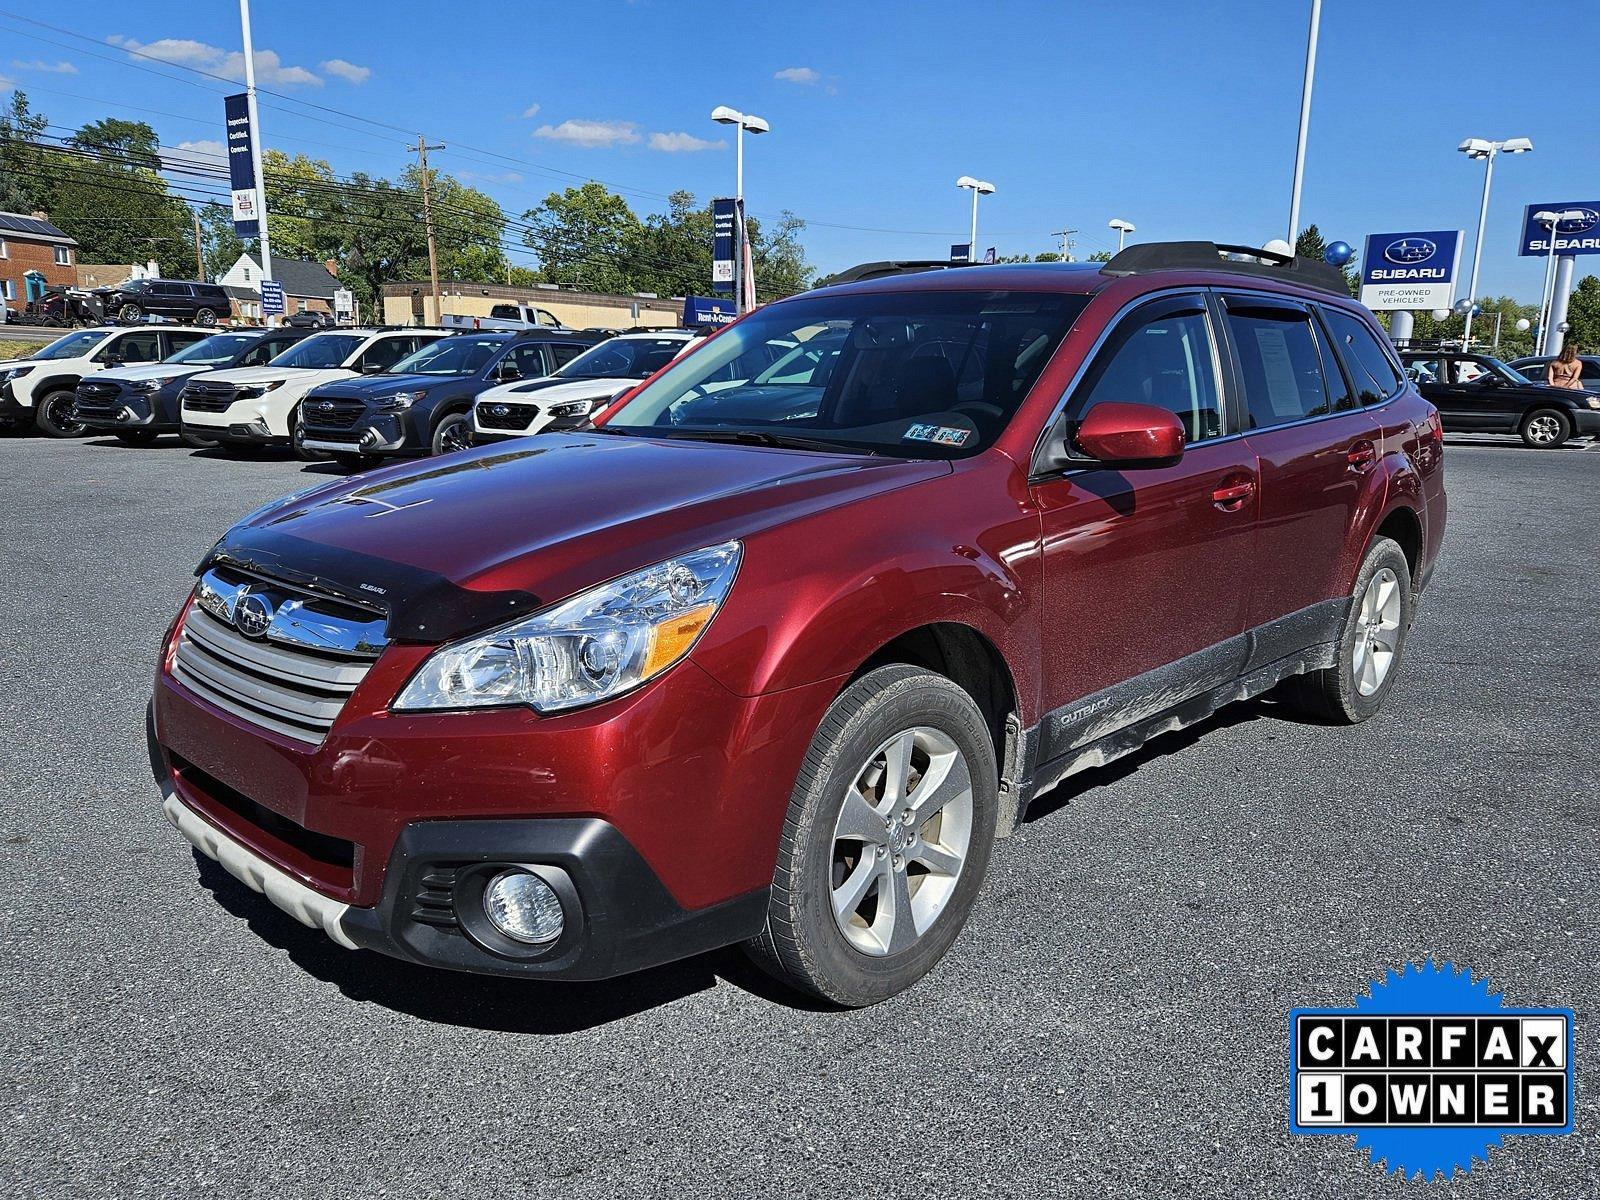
[776, 651]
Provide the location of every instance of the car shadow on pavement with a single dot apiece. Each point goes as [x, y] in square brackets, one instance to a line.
[487, 1002]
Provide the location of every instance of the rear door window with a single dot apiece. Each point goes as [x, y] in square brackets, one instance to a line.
[180, 339]
[528, 359]
[1371, 369]
[383, 354]
[1280, 364]
[141, 347]
[565, 352]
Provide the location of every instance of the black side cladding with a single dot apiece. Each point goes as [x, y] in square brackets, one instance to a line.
[419, 605]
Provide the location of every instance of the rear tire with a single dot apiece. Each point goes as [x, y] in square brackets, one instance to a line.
[53, 414]
[1546, 428]
[205, 317]
[452, 433]
[130, 313]
[863, 840]
[1370, 647]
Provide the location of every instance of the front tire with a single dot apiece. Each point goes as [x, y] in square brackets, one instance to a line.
[54, 415]
[886, 841]
[1546, 428]
[205, 317]
[131, 313]
[452, 433]
[1370, 647]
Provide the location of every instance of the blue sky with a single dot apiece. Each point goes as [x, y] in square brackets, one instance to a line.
[1177, 116]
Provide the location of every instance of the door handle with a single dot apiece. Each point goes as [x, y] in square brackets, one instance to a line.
[1230, 497]
[1361, 456]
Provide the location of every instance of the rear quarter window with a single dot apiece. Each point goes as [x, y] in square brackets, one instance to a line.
[1372, 371]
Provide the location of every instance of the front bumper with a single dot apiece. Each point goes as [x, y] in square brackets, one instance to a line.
[1587, 422]
[382, 433]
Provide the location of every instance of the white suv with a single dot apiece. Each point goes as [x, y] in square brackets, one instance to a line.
[257, 406]
[42, 389]
[578, 390]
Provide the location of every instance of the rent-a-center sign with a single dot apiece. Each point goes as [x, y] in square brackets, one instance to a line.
[1410, 270]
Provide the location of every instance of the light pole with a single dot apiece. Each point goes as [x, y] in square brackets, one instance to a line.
[1123, 228]
[723, 115]
[255, 143]
[1305, 121]
[1486, 150]
[1551, 221]
[979, 188]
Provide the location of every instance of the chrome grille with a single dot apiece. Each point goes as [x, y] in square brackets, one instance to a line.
[295, 677]
[208, 397]
[500, 415]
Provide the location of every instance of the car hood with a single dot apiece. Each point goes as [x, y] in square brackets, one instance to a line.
[152, 371]
[367, 387]
[246, 375]
[553, 390]
[467, 541]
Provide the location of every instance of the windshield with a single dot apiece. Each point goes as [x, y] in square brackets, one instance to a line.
[623, 358]
[1507, 371]
[320, 350]
[916, 375]
[74, 345]
[451, 356]
[218, 348]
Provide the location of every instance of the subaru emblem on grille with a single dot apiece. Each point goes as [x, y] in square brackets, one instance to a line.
[252, 613]
[498, 410]
[326, 406]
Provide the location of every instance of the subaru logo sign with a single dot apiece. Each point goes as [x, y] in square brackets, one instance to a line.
[252, 614]
[1577, 231]
[1410, 250]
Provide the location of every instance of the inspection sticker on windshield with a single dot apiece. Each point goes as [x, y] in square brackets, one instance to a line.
[943, 435]
[1430, 1071]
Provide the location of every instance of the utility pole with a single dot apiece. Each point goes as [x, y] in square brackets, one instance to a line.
[1066, 242]
[421, 151]
[199, 258]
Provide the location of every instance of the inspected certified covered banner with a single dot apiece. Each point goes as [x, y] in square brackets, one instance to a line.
[241, 166]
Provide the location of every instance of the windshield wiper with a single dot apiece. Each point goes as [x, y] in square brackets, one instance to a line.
[763, 437]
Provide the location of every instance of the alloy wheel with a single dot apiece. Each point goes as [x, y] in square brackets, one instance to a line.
[1377, 632]
[900, 841]
[59, 412]
[455, 434]
[1543, 430]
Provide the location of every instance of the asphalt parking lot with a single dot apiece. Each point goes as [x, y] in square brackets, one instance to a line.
[1111, 1023]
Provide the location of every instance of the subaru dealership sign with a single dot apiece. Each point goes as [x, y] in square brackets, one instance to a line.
[1578, 234]
[1410, 270]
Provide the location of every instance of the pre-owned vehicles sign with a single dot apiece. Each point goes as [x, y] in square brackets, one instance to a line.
[1410, 270]
[1577, 233]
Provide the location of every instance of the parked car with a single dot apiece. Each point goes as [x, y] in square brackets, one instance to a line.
[42, 389]
[1477, 393]
[260, 406]
[137, 404]
[174, 299]
[505, 317]
[423, 404]
[1534, 368]
[566, 398]
[616, 696]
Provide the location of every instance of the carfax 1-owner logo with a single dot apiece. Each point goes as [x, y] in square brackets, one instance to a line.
[1430, 1070]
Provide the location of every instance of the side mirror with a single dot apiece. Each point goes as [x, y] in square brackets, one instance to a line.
[1127, 436]
[368, 368]
[1491, 381]
[507, 371]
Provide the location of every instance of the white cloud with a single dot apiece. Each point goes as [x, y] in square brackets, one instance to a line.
[63, 67]
[674, 143]
[531, 111]
[506, 177]
[185, 52]
[204, 148]
[590, 134]
[805, 75]
[347, 71]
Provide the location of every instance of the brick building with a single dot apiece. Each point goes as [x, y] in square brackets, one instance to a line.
[29, 244]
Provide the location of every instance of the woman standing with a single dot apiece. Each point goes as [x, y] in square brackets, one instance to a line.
[1563, 371]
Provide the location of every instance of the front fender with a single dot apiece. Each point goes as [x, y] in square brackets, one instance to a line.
[817, 598]
[28, 397]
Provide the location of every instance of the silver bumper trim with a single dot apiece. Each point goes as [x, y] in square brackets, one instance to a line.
[310, 908]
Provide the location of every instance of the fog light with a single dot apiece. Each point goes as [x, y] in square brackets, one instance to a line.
[524, 908]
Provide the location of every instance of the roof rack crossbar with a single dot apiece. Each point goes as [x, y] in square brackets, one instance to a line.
[879, 270]
[1144, 257]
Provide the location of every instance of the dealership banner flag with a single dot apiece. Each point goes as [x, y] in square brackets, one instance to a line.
[723, 217]
[241, 166]
[747, 276]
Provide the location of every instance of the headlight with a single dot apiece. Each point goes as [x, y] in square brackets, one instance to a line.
[598, 644]
[14, 373]
[255, 391]
[153, 385]
[401, 401]
[1593, 402]
[574, 408]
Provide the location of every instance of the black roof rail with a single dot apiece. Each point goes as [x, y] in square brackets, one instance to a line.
[880, 270]
[1144, 257]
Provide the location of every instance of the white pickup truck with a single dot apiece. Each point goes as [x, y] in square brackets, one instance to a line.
[505, 316]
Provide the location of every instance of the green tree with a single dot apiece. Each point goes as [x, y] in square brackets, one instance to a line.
[220, 245]
[106, 193]
[779, 258]
[134, 142]
[22, 179]
[1583, 314]
[1311, 244]
[586, 237]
